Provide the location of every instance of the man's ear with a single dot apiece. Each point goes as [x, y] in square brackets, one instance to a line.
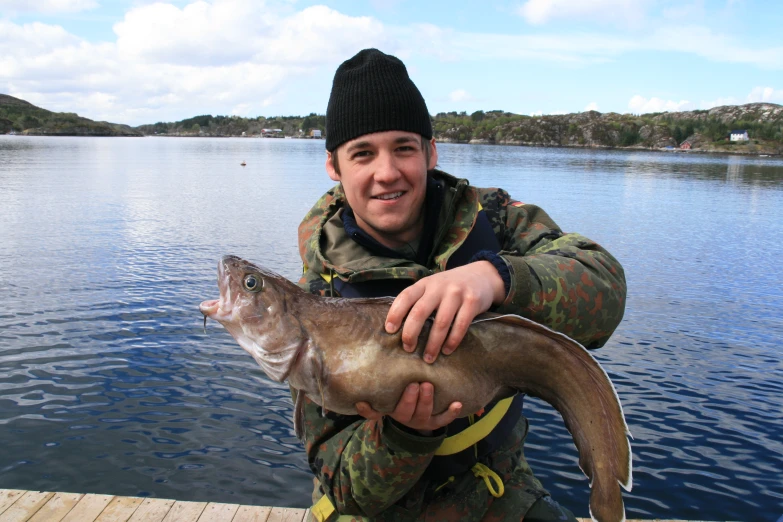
[433, 155]
[333, 174]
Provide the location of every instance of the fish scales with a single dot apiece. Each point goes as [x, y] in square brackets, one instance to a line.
[337, 352]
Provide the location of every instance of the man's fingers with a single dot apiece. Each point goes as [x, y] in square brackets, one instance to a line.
[459, 328]
[420, 312]
[424, 406]
[406, 407]
[365, 410]
[440, 329]
[448, 416]
[401, 306]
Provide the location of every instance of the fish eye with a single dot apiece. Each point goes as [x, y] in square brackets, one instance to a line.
[253, 283]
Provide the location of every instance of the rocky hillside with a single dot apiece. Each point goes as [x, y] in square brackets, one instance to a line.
[220, 126]
[25, 118]
[705, 130]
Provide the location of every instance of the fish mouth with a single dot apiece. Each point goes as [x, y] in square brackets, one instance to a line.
[210, 307]
[220, 309]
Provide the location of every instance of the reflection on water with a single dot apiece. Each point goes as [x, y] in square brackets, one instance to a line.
[109, 385]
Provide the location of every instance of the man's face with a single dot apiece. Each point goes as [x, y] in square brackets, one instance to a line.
[384, 176]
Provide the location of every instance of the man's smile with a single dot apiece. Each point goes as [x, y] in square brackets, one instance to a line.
[390, 195]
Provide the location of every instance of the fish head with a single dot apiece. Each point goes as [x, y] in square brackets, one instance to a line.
[253, 308]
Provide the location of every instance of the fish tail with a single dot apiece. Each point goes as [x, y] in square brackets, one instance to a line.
[606, 500]
[562, 372]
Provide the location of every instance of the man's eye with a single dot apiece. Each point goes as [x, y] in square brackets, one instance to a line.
[361, 154]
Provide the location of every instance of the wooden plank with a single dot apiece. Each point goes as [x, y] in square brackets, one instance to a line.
[217, 512]
[57, 507]
[183, 511]
[8, 497]
[152, 510]
[279, 514]
[252, 514]
[88, 508]
[120, 509]
[26, 506]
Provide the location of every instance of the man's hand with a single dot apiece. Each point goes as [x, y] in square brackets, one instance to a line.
[458, 295]
[415, 409]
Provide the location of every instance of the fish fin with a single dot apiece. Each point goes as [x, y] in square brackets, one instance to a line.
[608, 465]
[299, 415]
[324, 411]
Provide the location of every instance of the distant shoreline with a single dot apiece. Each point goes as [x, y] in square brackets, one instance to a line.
[762, 154]
[750, 129]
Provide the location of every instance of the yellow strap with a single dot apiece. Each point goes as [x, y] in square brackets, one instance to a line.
[472, 434]
[322, 509]
[327, 277]
[489, 476]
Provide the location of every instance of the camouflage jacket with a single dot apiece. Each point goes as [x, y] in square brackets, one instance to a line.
[562, 280]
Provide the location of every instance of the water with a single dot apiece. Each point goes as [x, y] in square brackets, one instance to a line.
[109, 385]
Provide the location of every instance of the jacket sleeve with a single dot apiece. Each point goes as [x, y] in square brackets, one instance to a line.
[564, 281]
[363, 466]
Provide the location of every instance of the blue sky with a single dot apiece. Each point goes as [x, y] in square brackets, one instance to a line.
[137, 61]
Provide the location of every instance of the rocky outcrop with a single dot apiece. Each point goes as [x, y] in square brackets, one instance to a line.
[728, 114]
[25, 118]
[610, 130]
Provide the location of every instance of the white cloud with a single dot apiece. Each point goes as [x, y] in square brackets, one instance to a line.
[584, 48]
[541, 11]
[641, 105]
[718, 102]
[765, 94]
[460, 95]
[592, 106]
[47, 6]
[756, 95]
[226, 56]
[232, 31]
[703, 42]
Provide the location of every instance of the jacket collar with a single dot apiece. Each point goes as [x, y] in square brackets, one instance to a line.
[326, 246]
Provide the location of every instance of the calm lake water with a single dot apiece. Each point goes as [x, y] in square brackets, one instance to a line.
[109, 385]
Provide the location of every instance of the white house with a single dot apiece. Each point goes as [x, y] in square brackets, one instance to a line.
[739, 135]
[315, 133]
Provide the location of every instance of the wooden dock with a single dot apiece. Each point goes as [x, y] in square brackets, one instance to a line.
[17, 505]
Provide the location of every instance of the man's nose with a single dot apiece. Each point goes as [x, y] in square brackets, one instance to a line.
[386, 170]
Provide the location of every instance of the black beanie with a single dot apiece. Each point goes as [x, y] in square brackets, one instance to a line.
[372, 92]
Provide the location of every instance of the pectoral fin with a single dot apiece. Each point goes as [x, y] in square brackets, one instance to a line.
[299, 414]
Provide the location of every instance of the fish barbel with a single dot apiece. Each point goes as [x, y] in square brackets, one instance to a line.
[337, 352]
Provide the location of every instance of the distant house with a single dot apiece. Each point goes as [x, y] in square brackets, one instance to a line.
[739, 135]
[685, 145]
[315, 134]
[272, 133]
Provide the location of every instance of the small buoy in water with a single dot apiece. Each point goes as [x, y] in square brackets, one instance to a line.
[243, 163]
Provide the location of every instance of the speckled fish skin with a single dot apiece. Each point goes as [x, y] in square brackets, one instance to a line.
[337, 352]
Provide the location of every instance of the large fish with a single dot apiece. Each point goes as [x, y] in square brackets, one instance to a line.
[337, 353]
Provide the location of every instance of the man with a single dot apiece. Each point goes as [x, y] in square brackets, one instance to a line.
[396, 226]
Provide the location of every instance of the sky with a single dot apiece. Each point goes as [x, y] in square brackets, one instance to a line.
[139, 61]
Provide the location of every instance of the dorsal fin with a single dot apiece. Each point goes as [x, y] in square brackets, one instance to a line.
[518, 320]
